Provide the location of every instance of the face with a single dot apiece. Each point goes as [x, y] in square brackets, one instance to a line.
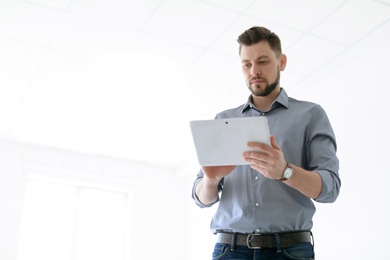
[261, 68]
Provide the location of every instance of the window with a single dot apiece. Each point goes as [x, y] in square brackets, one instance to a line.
[65, 221]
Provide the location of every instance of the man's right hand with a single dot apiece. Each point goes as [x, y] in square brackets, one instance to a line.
[207, 188]
[216, 173]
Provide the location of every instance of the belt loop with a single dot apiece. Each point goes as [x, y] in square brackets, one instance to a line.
[312, 238]
[278, 243]
[233, 242]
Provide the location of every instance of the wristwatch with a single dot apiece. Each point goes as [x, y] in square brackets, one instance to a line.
[288, 172]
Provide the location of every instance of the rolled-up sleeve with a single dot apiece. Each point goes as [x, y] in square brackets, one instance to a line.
[196, 199]
[322, 150]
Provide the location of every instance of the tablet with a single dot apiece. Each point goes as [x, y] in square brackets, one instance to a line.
[222, 141]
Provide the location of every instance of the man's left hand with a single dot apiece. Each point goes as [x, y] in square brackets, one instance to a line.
[268, 160]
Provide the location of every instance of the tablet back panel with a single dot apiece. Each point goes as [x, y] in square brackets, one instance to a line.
[222, 141]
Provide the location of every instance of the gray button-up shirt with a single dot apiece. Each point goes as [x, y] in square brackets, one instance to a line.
[250, 202]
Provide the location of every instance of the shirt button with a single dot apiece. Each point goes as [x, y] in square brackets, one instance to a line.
[257, 231]
[257, 204]
[257, 177]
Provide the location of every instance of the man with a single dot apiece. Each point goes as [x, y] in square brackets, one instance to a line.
[266, 208]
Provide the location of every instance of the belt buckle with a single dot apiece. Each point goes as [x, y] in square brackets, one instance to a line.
[248, 241]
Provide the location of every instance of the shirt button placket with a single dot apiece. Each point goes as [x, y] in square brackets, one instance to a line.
[256, 179]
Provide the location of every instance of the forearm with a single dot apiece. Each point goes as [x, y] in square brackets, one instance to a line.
[309, 183]
[207, 190]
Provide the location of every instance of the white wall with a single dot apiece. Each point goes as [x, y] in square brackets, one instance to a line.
[166, 217]
[161, 199]
[12, 186]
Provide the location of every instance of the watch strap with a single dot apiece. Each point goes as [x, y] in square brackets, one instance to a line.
[284, 178]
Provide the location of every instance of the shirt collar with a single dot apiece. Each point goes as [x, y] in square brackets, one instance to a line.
[281, 99]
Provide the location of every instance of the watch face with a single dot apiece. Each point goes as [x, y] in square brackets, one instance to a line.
[288, 172]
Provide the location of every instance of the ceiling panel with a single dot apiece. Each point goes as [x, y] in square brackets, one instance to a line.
[28, 22]
[123, 78]
[218, 70]
[46, 114]
[241, 5]
[76, 44]
[9, 110]
[349, 23]
[290, 79]
[383, 1]
[310, 53]
[350, 78]
[189, 21]
[299, 14]
[14, 85]
[227, 41]
[20, 57]
[131, 14]
[182, 54]
[57, 4]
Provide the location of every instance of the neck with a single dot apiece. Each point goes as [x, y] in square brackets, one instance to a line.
[264, 103]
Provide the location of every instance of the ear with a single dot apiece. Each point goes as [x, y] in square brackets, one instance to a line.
[282, 61]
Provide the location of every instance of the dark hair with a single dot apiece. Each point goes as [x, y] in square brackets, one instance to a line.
[257, 34]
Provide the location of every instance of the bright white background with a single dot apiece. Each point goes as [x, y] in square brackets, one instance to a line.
[95, 99]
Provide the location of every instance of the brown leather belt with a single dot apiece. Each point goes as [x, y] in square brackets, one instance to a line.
[258, 241]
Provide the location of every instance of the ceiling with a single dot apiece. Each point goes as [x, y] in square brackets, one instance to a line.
[122, 78]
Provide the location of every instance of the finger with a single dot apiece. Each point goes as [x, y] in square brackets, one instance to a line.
[274, 144]
[257, 145]
[255, 157]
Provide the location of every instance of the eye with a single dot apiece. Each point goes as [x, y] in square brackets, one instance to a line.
[246, 65]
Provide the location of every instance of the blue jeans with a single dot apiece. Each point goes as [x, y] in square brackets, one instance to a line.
[301, 251]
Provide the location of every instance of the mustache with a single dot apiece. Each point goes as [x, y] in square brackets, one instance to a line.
[256, 77]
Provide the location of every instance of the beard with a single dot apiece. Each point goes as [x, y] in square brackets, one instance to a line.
[258, 92]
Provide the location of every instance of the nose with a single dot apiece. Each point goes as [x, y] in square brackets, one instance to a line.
[255, 71]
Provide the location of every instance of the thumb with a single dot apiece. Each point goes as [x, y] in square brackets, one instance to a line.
[274, 144]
